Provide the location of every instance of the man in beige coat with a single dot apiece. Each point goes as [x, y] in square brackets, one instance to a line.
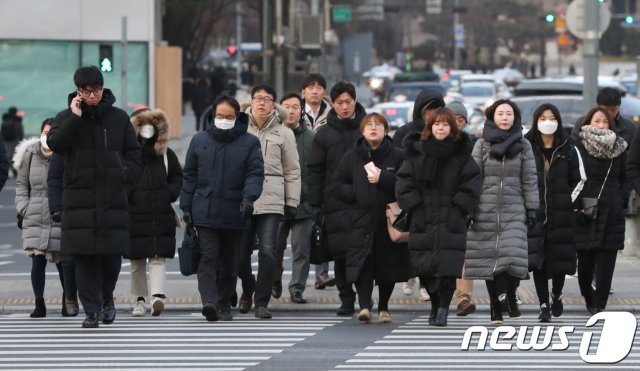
[280, 197]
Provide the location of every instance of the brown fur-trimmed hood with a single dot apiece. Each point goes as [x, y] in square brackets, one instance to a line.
[160, 121]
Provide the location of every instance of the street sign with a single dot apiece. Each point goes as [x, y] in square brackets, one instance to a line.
[459, 36]
[434, 6]
[575, 18]
[341, 13]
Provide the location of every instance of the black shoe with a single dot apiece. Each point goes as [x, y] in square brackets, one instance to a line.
[71, 307]
[496, 314]
[210, 312]
[108, 311]
[545, 313]
[556, 305]
[345, 310]
[262, 313]
[40, 311]
[594, 309]
[441, 317]
[512, 308]
[225, 315]
[91, 321]
[276, 290]
[245, 302]
[297, 298]
[324, 281]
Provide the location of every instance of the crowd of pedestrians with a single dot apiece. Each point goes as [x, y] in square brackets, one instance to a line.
[98, 185]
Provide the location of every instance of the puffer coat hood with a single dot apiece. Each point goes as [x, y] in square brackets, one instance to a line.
[160, 121]
[427, 97]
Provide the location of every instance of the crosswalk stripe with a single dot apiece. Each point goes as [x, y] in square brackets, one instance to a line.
[172, 342]
[417, 345]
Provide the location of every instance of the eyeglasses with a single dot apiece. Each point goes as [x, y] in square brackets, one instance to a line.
[262, 99]
[87, 93]
[228, 117]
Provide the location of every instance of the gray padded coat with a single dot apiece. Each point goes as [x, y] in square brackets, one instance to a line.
[32, 202]
[497, 241]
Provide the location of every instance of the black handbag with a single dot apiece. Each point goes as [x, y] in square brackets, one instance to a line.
[319, 248]
[402, 222]
[189, 252]
[590, 204]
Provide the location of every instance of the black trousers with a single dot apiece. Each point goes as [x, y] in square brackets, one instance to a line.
[96, 277]
[602, 263]
[217, 270]
[542, 285]
[364, 288]
[440, 290]
[345, 289]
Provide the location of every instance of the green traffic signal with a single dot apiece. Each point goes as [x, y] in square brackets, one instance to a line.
[550, 18]
[628, 19]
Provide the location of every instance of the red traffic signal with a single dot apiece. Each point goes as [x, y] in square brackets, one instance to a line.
[232, 50]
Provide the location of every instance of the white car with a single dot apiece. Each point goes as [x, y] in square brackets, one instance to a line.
[478, 94]
[398, 112]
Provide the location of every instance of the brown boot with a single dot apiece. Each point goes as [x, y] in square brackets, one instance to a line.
[465, 307]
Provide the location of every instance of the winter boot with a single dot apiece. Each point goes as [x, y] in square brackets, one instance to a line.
[40, 311]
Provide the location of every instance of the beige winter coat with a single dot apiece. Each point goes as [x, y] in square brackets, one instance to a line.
[281, 164]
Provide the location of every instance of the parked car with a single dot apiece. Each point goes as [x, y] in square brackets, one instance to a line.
[412, 89]
[477, 94]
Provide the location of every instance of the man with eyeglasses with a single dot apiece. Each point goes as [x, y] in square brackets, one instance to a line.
[331, 142]
[280, 197]
[102, 162]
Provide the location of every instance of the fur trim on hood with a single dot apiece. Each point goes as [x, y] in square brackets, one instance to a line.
[21, 150]
[160, 121]
[281, 111]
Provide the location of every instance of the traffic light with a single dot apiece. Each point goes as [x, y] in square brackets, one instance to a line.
[105, 62]
[232, 50]
[550, 17]
[628, 19]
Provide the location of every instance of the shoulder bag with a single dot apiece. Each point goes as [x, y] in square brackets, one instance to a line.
[397, 223]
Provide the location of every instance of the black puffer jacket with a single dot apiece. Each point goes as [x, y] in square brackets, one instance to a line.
[4, 164]
[429, 97]
[153, 226]
[551, 241]
[368, 224]
[607, 231]
[330, 143]
[438, 227]
[102, 161]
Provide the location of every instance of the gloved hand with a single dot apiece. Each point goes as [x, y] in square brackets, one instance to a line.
[290, 212]
[316, 212]
[246, 209]
[186, 216]
[532, 218]
[56, 217]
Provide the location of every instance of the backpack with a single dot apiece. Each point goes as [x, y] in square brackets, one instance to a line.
[9, 130]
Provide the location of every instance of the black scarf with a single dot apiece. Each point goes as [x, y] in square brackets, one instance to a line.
[502, 142]
[436, 151]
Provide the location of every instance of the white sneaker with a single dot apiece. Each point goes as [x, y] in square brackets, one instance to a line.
[409, 286]
[139, 310]
[157, 305]
[424, 295]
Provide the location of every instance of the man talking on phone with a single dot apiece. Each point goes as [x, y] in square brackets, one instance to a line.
[102, 161]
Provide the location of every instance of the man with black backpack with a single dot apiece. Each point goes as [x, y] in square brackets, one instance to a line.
[12, 133]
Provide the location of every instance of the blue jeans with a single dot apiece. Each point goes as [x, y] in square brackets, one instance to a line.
[266, 228]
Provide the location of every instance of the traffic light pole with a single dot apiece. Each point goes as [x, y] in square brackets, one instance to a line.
[123, 66]
[590, 53]
[238, 43]
[456, 22]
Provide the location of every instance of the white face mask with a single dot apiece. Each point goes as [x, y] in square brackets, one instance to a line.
[224, 124]
[43, 142]
[147, 131]
[547, 127]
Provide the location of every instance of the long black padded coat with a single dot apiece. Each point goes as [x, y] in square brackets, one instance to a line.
[551, 242]
[367, 225]
[330, 143]
[102, 162]
[438, 224]
[607, 231]
[153, 224]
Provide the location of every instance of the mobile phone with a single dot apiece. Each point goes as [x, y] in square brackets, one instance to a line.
[370, 168]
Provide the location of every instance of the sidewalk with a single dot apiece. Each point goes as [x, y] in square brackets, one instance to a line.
[16, 295]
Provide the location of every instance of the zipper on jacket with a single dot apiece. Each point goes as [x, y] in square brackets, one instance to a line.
[544, 179]
[499, 212]
[153, 207]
